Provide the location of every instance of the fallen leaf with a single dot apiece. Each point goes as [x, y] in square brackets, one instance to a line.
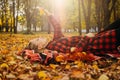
[77, 74]
[95, 66]
[10, 76]
[4, 65]
[60, 58]
[103, 77]
[67, 66]
[4, 51]
[24, 77]
[53, 66]
[79, 63]
[42, 74]
[12, 62]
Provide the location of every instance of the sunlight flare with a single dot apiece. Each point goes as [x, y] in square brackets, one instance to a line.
[59, 3]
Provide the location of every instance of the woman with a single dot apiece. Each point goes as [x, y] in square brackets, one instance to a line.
[106, 42]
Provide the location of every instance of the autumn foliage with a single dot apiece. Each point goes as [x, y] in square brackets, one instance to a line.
[72, 66]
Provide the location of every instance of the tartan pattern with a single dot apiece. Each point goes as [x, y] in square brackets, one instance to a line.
[83, 43]
[102, 43]
[63, 44]
[57, 28]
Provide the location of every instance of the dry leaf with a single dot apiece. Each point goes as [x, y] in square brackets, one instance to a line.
[42, 74]
[103, 77]
[53, 66]
[4, 51]
[67, 66]
[10, 76]
[12, 62]
[4, 65]
[60, 58]
[77, 74]
[79, 63]
[24, 77]
[95, 66]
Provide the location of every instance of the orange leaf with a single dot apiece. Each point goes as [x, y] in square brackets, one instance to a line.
[60, 58]
[4, 51]
[67, 66]
[95, 66]
[53, 66]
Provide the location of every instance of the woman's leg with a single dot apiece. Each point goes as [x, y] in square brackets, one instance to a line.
[61, 43]
[57, 28]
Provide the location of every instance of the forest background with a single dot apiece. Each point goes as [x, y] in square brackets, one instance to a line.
[74, 15]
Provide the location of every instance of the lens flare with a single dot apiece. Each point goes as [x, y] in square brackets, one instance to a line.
[59, 3]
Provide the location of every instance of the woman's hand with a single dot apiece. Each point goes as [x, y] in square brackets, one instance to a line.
[72, 49]
[45, 11]
[29, 54]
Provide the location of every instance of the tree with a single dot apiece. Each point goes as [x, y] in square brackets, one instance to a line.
[98, 14]
[15, 27]
[79, 9]
[108, 10]
[87, 14]
[103, 14]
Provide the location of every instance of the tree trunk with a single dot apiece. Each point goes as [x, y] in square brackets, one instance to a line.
[28, 16]
[98, 14]
[17, 14]
[28, 22]
[87, 14]
[34, 26]
[15, 28]
[2, 18]
[79, 9]
[115, 13]
[108, 11]
[49, 28]
[6, 20]
[28, 27]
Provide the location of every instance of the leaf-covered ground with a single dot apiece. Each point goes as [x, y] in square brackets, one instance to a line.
[13, 67]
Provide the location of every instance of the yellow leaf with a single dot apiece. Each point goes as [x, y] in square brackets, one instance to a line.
[57, 77]
[67, 66]
[4, 65]
[13, 48]
[84, 53]
[95, 66]
[79, 63]
[42, 74]
[4, 51]
[53, 66]
[0, 22]
[60, 58]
